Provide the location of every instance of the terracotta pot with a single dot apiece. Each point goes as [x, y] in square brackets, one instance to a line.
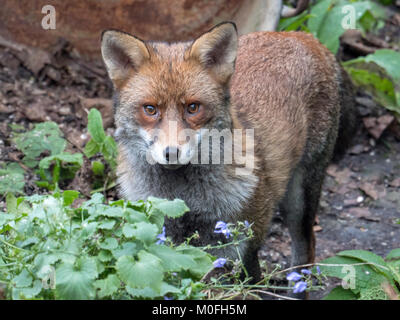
[82, 21]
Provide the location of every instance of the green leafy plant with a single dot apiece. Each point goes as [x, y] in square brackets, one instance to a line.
[106, 146]
[11, 178]
[365, 275]
[95, 251]
[327, 17]
[295, 23]
[379, 74]
[59, 165]
[45, 137]
[100, 142]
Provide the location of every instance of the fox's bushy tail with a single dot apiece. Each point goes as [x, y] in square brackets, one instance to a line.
[348, 124]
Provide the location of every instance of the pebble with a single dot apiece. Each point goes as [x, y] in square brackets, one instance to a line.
[64, 111]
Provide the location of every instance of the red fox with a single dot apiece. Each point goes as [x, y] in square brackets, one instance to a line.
[283, 88]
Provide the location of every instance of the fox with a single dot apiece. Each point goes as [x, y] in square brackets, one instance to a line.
[285, 88]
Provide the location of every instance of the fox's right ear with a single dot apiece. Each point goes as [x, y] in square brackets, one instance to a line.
[122, 54]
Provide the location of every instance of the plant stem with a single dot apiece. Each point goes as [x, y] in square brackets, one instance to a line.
[10, 245]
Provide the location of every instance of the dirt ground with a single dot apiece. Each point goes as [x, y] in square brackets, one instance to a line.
[360, 202]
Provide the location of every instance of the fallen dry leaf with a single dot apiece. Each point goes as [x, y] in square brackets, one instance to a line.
[389, 290]
[363, 213]
[341, 176]
[358, 148]
[370, 190]
[36, 112]
[35, 59]
[6, 109]
[105, 106]
[376, 126]
[317, 228]
[342, 189]
[395, 183]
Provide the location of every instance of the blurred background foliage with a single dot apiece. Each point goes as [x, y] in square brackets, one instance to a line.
[377, 67]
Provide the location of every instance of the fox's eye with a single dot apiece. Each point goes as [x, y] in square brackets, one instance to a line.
[193, 108]
[150, 110]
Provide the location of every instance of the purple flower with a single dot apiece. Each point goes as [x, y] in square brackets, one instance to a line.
[168, 298]
[246, 224]
[318, 270]
[161, 237]
[219, 263]
[305, 271]
[222, 227]
[300, 286]
[294, 276]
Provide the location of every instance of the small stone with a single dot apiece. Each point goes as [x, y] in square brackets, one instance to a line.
[64, 111]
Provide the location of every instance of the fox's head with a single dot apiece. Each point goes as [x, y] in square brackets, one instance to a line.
[164, 94]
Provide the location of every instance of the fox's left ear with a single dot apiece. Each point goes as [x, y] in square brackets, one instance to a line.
[123, 54]
[216, 50]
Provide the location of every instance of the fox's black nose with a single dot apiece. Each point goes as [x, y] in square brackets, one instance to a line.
[171, 154]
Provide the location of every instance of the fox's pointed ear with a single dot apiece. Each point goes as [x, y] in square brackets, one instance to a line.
[122, 54]
[216, 50]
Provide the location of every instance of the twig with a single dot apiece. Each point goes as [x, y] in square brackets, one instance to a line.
[331, 265]
[273, 294]
[14, 157]
[6, 43]
[75, 145]
[10, 245]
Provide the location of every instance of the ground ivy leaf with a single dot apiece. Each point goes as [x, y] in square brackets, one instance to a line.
[108, 286]
[203, 260]
[127, 248]
[24, 279]
[149, 293]
[145, 232]
[105, 255]
[128, 230]
[75, 281]
[172, 209]
[112, 212]
[367, 256]
[106, 224]
[145, 293]
[45, 136]
[133, 216]
[147, 271]
[167, 288]
[171, 259]
[27, 292]
[12, 179]
[109, 244]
